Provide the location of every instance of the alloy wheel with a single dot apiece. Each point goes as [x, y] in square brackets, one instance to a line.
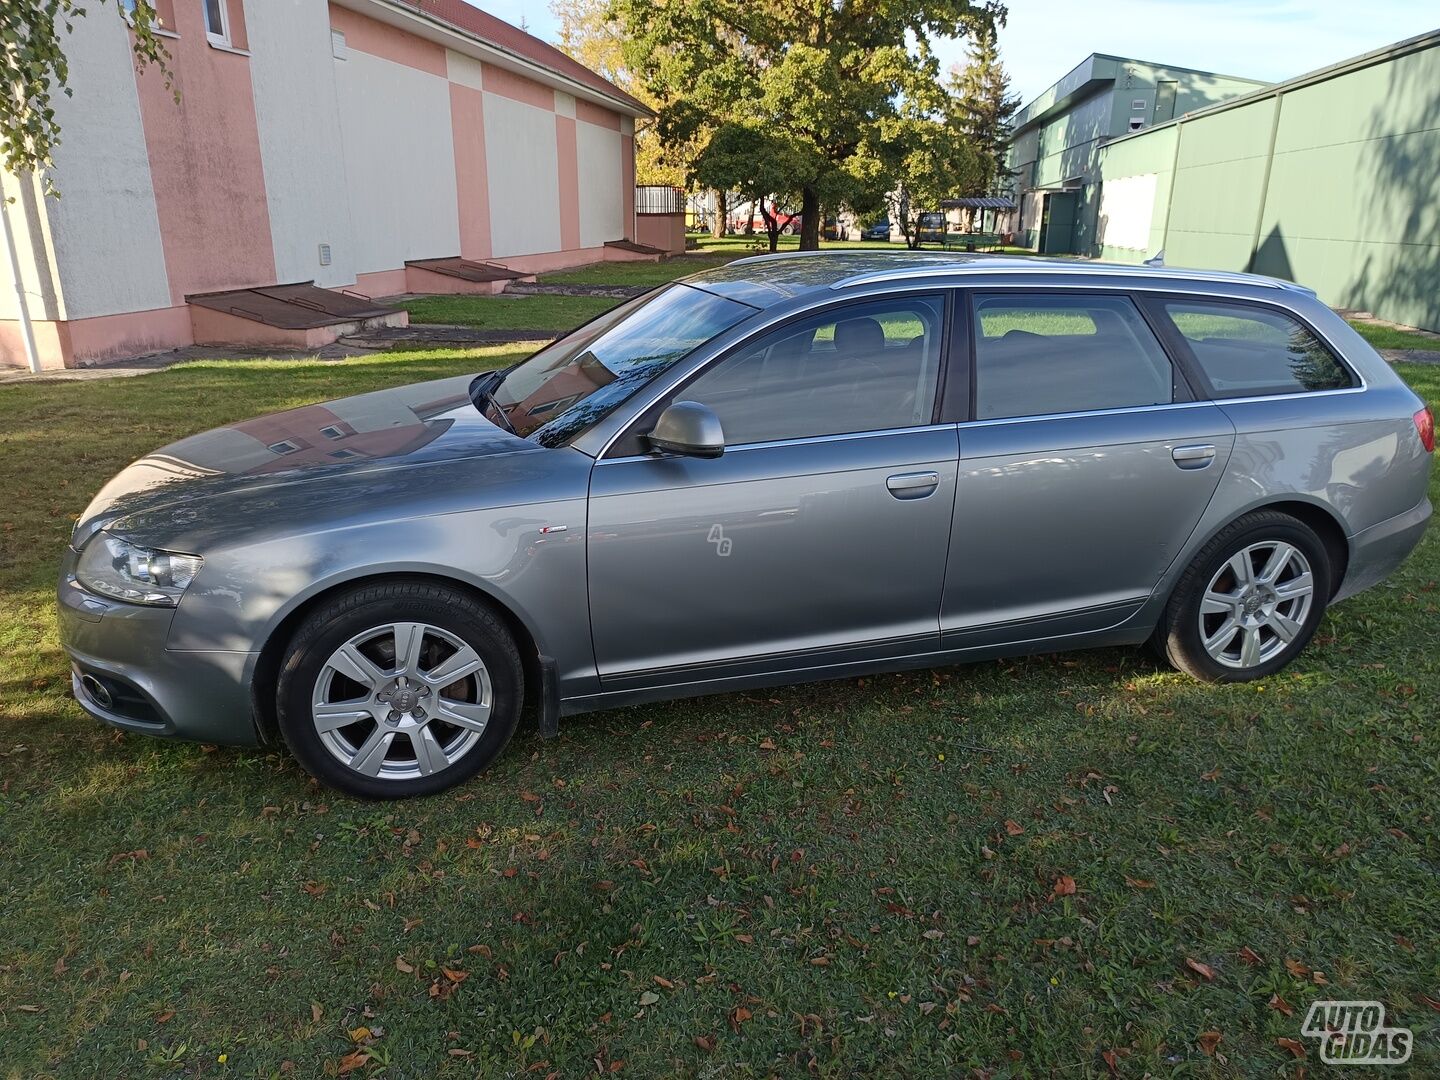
[1256, 604]
[401, 701]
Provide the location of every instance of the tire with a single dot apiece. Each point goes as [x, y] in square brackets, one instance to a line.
[366, 700]
[1280, 612]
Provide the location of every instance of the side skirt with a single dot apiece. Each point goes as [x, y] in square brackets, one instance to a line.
[698, 684]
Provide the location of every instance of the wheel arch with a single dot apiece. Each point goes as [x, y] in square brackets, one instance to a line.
[1320, 518]
[264, 680]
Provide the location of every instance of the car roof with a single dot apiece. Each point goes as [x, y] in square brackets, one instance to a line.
[765, 280]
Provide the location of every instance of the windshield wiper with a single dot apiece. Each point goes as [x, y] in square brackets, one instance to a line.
[482, 393]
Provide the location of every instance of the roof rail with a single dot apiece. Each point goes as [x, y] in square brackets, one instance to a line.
[1059, 269]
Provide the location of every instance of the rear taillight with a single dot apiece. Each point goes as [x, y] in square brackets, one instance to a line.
[1425, 425]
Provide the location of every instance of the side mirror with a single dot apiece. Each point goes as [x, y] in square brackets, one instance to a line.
[690, 429]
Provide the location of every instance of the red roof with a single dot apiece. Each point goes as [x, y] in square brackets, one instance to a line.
[492, 31]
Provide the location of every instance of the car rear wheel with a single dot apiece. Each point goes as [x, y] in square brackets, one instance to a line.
[399, 689]
[1249, 602]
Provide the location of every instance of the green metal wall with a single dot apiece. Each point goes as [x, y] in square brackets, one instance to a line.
[1332, 180]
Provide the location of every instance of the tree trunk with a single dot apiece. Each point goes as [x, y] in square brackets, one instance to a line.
[717, 227]
[809, 219]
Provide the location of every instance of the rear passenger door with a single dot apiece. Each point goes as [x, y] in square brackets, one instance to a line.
[1085, 464]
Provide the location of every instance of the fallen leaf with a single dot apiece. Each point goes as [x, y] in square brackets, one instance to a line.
[767, 744]
[1064, 886]
[1014, 828]
[316, 1012]
[1295, 1046]
[1279, 1004]
[1250, 956]
[1139, 883]
[649, 997]
[350, 1062]
[1205, 971]
[706, 1043]
[1111, 1062]
[454, 975]
[738, 1016]
[359, 1034]
[660, 980]
[1208, 1041]
[165, 1017]
[1296, 968]
[1212, 775]
[402, 966]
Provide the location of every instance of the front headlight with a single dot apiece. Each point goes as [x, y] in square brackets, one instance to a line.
[112, 567]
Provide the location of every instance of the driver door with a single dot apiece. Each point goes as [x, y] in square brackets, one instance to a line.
[819, 536]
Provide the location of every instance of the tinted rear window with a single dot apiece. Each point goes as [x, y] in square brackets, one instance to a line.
[1249, 351]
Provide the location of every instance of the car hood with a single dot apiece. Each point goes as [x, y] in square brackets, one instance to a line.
[302, 456]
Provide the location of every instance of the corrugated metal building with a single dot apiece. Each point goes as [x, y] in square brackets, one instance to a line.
[1331, 179]
[1055, 150]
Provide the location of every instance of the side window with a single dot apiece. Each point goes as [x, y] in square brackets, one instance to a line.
[858, 368]
[1055, 353]
[1248, 351]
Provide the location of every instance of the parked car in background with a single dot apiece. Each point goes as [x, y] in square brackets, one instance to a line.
[789, 468]
[879, 230]
[932, 228]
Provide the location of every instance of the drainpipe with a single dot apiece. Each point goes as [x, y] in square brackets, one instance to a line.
[27, 332]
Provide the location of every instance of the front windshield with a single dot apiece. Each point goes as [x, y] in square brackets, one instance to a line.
[565, 388]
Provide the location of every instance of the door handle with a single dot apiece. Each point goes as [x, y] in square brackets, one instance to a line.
[1193, 457]
[915, 485]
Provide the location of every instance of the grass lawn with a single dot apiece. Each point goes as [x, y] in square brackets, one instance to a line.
[637, 273]
[507, 312]
[1389, 337]
[1028, 867]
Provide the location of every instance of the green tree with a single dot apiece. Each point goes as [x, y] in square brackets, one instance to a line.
[35, 67]
[818, 79]
[922, 156]
[986, 109]
[756, 165]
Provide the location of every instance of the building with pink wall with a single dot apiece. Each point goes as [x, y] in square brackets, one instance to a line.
[311, 142]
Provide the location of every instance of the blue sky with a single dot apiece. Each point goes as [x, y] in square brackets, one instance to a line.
[1259, 39]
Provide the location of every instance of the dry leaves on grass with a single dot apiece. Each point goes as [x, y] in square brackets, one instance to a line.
[1205, 971]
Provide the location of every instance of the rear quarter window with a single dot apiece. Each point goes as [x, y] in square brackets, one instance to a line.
[1245, 351]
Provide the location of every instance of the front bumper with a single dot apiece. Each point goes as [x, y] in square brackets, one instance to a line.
[122, 673]
[1376, 552]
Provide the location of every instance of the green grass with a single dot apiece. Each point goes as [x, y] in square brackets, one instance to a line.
[636, 273]
[1390, 337]
[852, 878]
[549, 313]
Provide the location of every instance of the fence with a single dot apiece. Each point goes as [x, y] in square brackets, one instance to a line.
[658, 199]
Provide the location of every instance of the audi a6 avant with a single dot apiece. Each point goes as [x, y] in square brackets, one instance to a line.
[790, 468]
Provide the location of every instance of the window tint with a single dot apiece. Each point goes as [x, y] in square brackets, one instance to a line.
[1038, 354]
[859, 368]
[1245, 351]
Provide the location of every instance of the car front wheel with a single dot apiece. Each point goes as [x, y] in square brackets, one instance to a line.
[1249, 602]
[399, 689]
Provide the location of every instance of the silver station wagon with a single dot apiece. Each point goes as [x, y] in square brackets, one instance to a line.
[791, 468]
